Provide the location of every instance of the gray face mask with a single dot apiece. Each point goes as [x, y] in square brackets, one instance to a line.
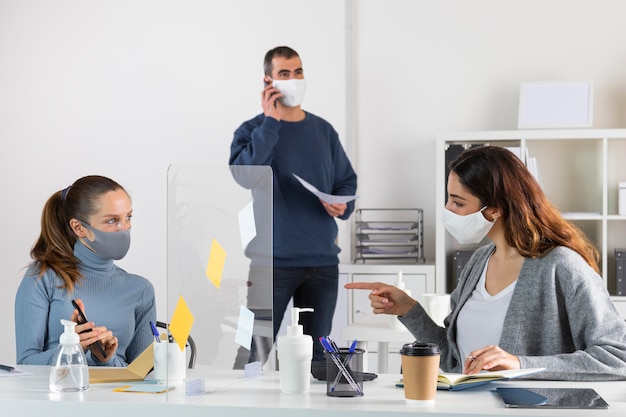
[109, 245]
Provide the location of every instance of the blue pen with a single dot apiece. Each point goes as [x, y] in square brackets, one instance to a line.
[324, 341]
[351, 350]
[329, 348]
[155, 332]
[352, 347]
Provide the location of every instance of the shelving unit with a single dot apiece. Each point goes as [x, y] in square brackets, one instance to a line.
[419, 279]
[579, 171]
[389, 234]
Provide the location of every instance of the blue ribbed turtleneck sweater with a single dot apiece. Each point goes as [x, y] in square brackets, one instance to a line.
[122, 302]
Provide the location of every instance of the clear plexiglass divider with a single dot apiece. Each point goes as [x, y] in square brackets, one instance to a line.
[219, 263]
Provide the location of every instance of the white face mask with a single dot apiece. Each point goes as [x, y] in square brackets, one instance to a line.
[471, 228]
[292, 90]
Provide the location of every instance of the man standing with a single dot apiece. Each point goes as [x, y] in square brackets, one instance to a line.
[293, 141]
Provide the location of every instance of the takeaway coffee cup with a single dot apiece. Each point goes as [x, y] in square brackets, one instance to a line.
[420, 367]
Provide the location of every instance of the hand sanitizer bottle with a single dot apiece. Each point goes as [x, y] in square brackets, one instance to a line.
[401, 284]
[393, 319]
[295, 352]
[69, 370]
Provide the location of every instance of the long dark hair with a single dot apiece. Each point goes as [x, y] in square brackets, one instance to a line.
[54, 249]
[533, 225]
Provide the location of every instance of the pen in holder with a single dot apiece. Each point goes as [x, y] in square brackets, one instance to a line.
[169, 359]
[169, 363]
[344, 370]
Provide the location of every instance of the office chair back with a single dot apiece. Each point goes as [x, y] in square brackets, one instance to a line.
[190, 344]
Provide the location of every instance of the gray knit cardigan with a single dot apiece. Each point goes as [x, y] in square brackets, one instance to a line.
[560, 317]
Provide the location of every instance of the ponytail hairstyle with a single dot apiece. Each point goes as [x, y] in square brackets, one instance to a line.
[54, 249]
[532, 224]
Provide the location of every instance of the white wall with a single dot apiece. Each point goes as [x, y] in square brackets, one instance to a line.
[424, 67]
[125, 88]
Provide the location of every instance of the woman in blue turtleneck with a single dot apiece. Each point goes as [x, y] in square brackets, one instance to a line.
[84, 228]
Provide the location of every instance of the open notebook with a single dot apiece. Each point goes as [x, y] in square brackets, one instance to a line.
[137, 370]
[453, 382]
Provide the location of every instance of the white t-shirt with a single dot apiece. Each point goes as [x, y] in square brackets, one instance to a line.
[481, 319]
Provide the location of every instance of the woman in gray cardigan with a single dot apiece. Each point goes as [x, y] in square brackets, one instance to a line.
[530, 298]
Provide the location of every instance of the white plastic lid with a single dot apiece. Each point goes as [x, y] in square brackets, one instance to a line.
[69, 335]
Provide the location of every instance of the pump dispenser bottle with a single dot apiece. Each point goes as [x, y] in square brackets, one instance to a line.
[69, 370]
[295, 352]
[401, 284]
[393, 320]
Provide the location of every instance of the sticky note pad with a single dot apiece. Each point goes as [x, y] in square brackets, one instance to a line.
[180, 325]
[145, 388]
[245, 325]
[215, 267]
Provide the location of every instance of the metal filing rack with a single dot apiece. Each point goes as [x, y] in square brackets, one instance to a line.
[390, 234]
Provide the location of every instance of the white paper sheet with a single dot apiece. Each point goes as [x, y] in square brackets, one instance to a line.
[247, 226]
[328, 198]
[245, 326]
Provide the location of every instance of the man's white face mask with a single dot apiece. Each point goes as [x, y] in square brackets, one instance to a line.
[292, 90]
[471, 228]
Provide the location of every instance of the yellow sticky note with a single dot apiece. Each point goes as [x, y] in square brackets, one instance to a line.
[215, 267]
[180, 325]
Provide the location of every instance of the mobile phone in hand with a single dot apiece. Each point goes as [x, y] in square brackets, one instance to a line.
[83, 319]
[267, 83]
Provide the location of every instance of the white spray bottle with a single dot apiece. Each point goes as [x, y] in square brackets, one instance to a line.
[69, 370]
[295, 352]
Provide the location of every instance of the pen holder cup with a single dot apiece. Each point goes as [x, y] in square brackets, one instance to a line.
[344, 373]
[170, 365]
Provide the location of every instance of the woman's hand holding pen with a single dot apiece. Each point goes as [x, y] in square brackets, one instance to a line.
[489, 358]
[385, 299]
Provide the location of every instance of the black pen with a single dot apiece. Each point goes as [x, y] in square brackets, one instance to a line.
[7, 368]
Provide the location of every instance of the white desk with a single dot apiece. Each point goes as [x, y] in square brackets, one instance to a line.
[380, 330]
[29, 397]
